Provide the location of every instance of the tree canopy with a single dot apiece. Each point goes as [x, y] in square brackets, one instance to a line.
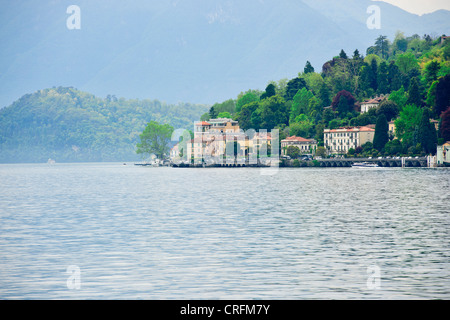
[155, 140]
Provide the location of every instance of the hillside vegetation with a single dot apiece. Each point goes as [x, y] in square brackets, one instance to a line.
[69, 125]
[411, 72]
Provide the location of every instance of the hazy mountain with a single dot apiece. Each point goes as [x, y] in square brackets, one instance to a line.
[200, 51]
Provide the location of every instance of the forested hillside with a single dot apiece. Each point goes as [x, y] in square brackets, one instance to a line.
[68, 125]
[411, 72]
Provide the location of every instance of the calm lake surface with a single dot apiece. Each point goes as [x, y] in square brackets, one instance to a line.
[114, 231]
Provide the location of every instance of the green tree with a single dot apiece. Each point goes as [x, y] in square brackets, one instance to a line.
[374, 78]
[226, 106]
[244, 117]
[327, 115]
[300, 103]
[400, 42]
[382, 46]
[212, 113]
[224, 115]
[414, 96]
[431, 96]
[302, 127]
[293, 152]
[321, 152]
[381, 136]
[343, 55]
[444, 129]
[324, 95]
[273, 112]
[351, 152]
[367, 80]
[394, 77]
[389, 108]
[427, 135]
[407, 62]
[406, 123]
[270, 91]
[308, 68]
[400, 97]
[205, 117]
[382, 78]
[245, 99]
[430, 71]
[293, 86]
[393, 147]
[442, 95]
[356, 55]
[314, 82]
[155, 139]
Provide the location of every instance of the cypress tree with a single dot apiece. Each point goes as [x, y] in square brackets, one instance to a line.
[373, 74]
[427, 136]
[324, 95]
[414, 96]
[308, 68]
[444, 128]
[442, 95]
[342, 54]
[381, 133]
[394, 76]
[382, 78]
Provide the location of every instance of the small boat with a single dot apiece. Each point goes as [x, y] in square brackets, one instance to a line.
[364, 165]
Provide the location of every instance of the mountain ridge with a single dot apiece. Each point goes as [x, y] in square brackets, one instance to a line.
[197, 51]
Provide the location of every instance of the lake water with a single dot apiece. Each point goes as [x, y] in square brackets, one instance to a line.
[114, 231]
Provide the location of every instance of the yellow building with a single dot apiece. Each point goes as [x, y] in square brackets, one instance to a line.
[215, 126]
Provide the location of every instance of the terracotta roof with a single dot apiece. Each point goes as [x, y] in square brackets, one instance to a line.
[351, 129]
[295, 138]
[374, 100]
[203, 123]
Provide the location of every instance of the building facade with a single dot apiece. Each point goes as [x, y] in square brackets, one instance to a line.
[371, 103]
[339, 141]
[217, 139]
[303, 144]
[443, 154]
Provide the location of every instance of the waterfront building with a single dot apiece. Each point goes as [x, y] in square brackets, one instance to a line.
[303, 144]
[340, 140]
[443, 154]
[211, 138]
[215, 126]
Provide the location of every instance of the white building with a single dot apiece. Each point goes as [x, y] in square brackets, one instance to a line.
[303, 144]
[443, 154]
[371, 103]
[339, 141]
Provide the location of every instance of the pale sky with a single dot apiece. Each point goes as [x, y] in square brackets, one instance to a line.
[420, 6]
